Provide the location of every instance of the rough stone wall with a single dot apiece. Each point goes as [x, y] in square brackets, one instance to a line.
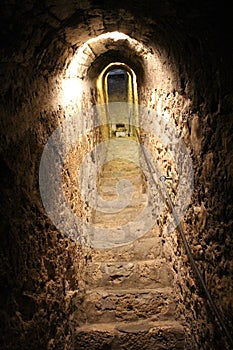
[38, 264]
[197, 110]
[40, 267]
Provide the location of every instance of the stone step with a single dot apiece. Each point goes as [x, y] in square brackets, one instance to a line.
[143, 274]
[110, 187]
[117, 219]
[110, 175]
[116, 237]
[143, 335]
[148, 247]
[138, 198]
[123, 149]
[120, 166]
[101, 305]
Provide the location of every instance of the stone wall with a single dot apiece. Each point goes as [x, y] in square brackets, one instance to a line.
[199, 116]
[38, 263]
[42, 269]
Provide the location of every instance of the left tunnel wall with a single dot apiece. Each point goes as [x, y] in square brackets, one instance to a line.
[41, 269]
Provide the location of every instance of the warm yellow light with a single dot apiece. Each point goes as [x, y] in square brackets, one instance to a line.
[80, 55]
[116, 64]
[73, 83]
[101, 83]
[113, 35]
[71, 90]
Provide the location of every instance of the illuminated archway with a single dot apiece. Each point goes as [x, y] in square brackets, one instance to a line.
[103, 98]
[97, 55]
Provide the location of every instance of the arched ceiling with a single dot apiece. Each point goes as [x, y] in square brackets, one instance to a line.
[44, 36]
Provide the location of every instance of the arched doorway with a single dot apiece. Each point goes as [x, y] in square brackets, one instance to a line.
[117, 90]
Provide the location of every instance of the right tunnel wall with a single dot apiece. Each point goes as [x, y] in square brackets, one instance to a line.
[198, 100]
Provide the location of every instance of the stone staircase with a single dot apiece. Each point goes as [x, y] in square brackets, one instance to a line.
[129, 302]
[122, 163]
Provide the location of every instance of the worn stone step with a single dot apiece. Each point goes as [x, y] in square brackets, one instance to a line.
[110, 188]
[119, 167]
[122, 149]
[117, 219]
[101, 305]
[137, 198]
[112, 176]
[145, 248]
[143, 274]
[116, 237]
[143, 335]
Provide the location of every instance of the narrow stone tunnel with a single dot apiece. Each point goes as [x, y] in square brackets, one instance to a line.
[91, 257]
